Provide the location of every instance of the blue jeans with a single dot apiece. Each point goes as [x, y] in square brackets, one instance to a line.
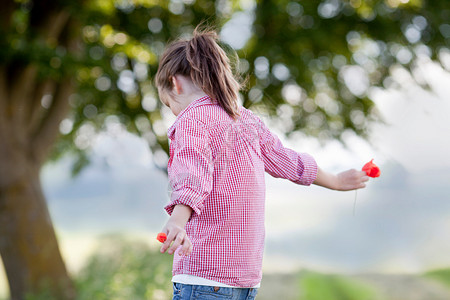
[202, 292]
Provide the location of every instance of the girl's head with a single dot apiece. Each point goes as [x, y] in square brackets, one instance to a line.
[202, 61]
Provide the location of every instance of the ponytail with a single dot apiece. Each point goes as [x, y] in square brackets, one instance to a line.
[208, 66]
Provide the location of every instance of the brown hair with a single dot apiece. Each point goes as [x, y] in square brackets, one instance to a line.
[206, 63]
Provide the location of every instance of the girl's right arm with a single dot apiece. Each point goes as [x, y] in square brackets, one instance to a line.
[175, 231]
[344, 181]
[190, 171]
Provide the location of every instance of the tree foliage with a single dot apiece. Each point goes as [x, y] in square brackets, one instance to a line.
[310, 62]
[334, 51]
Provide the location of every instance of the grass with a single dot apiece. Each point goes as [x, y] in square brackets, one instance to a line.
[122, 269]
[130, 269]
[125, 270]
[316, 286]
[442, 275]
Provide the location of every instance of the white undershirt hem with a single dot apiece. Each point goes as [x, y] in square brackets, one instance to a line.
[195, 280]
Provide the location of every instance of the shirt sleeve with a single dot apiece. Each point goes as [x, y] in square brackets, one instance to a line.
[282, 162]
[190, 166]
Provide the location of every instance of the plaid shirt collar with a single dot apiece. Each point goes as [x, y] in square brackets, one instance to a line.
[205, 100]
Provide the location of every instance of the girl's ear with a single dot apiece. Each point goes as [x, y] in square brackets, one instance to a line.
[177, 85]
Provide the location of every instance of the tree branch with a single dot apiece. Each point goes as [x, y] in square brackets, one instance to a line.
[21, 93]
[48, 130]
[3, 90]
[6, 13]
[56, 24]
[3, 99]
[49, 18]
[35, 110]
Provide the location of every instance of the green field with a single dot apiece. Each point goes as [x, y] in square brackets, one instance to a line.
[129, 269]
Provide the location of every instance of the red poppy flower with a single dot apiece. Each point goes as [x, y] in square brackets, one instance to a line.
[162, 237]
[371, 169]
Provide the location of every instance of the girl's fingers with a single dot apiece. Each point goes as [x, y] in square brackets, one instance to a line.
[178, 240]
[175, 239]
[166, 244]
[187, 248]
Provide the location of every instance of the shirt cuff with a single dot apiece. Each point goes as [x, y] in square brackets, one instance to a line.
[186, 197]
[308, 170]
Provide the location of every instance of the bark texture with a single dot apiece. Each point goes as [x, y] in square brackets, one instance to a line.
[28, 130]
[28, 244]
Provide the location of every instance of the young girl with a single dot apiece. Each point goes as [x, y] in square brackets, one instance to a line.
[219, 152]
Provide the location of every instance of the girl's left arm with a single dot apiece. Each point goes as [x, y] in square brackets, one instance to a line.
[344, 181]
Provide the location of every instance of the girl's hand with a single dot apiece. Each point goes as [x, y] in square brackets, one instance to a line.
[345, 181]
[176, 235]
[351, 180]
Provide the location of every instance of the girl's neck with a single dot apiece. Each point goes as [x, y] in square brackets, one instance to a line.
[185, 93]
[189, 98]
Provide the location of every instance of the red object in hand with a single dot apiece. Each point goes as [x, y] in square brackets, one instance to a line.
[371, 169]
[162, 237]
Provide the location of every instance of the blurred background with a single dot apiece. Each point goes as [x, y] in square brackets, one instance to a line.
[83, 149]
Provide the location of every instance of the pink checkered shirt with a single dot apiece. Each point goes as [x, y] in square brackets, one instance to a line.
[216, 167]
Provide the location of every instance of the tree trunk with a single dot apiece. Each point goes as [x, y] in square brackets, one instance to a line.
[28, 244]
